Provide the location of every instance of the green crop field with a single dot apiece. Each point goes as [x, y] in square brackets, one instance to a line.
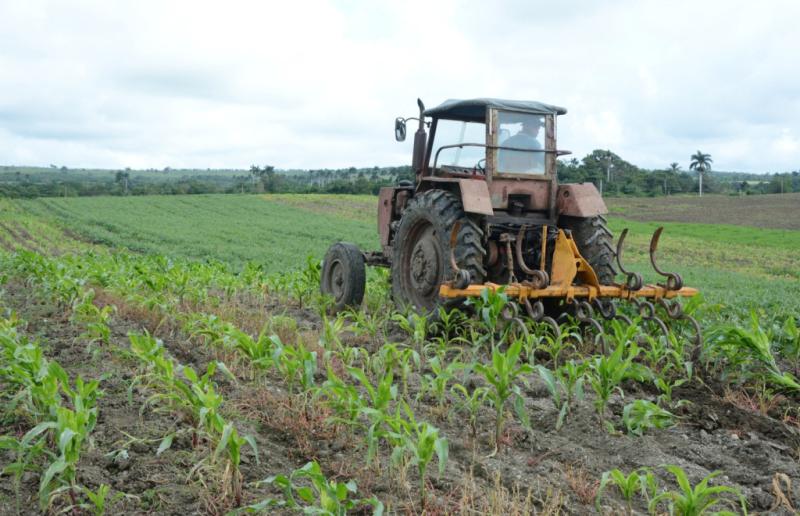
[729, 263]
[174, 355]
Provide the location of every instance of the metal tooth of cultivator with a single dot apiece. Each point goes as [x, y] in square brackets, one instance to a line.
[674, 280]
[675, 311]
[510, 314]
[585, 314]
[633, 280]
[608, 310]
[647, 311]
[536, 313]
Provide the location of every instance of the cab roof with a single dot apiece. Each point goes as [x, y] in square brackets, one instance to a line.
[474, 110]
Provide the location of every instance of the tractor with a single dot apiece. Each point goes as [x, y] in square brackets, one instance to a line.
[486, 211]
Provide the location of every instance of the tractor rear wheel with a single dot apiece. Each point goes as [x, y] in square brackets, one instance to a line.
[595, 242]
[343, 275]
[421, 249]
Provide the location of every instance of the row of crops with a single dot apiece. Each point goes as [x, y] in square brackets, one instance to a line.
[393, 381]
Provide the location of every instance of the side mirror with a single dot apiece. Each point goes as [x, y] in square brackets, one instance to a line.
[399, 129]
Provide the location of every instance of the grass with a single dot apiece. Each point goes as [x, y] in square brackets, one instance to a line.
[730, 264]
[231, 228]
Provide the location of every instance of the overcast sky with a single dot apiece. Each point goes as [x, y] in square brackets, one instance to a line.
[318, 84]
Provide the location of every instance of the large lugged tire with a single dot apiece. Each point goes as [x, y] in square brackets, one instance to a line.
[421, 249]
[595, 242]
[344, 275]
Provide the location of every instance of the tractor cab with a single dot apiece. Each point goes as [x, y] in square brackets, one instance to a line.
[508, 145]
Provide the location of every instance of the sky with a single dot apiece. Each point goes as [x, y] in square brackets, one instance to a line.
[151, 84]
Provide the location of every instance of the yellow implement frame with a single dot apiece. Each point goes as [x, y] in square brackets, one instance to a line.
[568, 266]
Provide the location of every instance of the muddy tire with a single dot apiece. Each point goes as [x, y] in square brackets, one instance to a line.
[595, 242]
[344, 275]
[421, 249]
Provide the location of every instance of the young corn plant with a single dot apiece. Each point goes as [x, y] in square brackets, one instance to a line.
[342, 398]
[607, 372]
[95, 320]
[502, 374]
[757, 343]
[417, 326]
[436, 382]
[791, 347]
[642, 415]
[564, 384]
[471, 403]
[70, 430]
[377, 409]
[697, 500]
[98, 501]
[414, 444]
[324, 497]
[640, 481]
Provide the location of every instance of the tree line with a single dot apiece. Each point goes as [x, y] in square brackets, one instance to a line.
[609, 172]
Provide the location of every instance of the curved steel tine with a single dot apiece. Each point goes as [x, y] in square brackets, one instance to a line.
[554, 325]
[461, 277]
[535, 311]
[620, 241]
[624, 318]
[521, 325]
[661, 324]
[675, 311]
[698, 337]
[518, 248]
[608, 310]
[674, 281]
[585, 314]
[633, 280]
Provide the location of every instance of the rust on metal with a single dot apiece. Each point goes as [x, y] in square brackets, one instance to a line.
[580, 200]
[475, 196]
[385, 206]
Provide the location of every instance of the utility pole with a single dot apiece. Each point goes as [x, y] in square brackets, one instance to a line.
[601, 187]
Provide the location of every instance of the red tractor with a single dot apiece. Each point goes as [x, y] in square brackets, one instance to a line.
[486, 212]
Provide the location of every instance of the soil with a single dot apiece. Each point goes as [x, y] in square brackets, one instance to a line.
[543, 470]
[776, 211]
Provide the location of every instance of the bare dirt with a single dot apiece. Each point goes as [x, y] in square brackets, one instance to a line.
[776, 211]
[544, 470]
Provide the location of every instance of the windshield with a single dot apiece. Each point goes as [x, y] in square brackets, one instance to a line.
[451, 132]
[520, 131]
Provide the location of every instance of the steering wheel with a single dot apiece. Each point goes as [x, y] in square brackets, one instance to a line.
[480, 167]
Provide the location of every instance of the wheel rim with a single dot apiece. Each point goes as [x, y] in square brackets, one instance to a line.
[337, 282]
[423, 266]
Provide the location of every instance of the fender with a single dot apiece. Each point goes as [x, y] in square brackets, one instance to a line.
[580, 200]
[474, 193]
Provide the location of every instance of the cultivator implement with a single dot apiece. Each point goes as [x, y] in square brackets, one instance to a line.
[573, 280]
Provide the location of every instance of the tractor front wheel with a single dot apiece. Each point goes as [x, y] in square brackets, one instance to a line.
[343, 275]
[422, 249]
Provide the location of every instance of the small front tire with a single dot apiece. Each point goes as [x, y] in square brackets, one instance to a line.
[344, 275]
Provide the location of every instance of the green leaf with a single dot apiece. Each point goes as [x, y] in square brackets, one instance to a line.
[166, 442]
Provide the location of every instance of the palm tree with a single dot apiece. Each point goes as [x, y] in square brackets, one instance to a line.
[701, 163]
[674, 167]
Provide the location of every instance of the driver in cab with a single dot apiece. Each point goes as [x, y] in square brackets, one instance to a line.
[511, 161]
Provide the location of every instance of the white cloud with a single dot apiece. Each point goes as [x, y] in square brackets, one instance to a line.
[318, 83]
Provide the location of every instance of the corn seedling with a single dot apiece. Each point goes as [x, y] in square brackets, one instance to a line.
[471, 403]
[757, 344]
[437, 380]
[415, 443]
[641, 481]
[642, 415]
[94, 319]
[606, 373]
[98, 501]
[417, 326]
[697, 500]
[502, 373]
[564, 384]
[377, 410]
[324, 497]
